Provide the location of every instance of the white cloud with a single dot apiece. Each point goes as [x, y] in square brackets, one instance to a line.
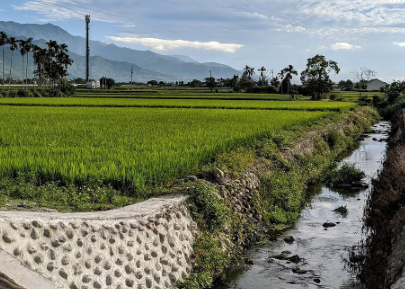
[253, 15]
[400, 44]
[162, 44]
[344, 46]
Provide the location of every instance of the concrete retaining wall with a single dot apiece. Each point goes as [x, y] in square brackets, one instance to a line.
[146, 245]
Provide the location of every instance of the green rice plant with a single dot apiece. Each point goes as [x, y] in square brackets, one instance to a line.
[181, 103]
[128, 148]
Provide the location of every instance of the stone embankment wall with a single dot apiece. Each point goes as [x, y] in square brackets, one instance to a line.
[146, 245]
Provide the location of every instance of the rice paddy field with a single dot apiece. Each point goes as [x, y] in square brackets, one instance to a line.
[181, 103]
[132, 144]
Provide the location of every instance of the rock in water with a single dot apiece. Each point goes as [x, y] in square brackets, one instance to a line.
[329, 224]
[289, 239]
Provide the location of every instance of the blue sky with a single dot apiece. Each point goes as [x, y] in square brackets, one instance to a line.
[273, 34]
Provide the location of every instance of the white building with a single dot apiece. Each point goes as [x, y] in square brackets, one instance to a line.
[93, 84]
[375, 84]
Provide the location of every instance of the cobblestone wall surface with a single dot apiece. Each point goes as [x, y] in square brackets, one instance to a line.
[146, 245]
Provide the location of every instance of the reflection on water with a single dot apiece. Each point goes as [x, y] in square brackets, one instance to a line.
[323, 250]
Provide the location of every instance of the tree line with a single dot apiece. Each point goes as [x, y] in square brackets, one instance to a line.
[50, 63]
[315, 79]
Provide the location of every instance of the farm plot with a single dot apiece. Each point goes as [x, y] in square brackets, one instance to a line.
[182, 103]
[182, 95]
[128, 148]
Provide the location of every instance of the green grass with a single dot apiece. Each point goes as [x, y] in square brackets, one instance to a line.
[181, 103]
[128, 148]
[353, 96]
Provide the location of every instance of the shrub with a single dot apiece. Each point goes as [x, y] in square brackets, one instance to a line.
[342, 211]
[335, 97]
[37, 93]
[24, 93]
[208, 210]
[332, 137]
[346, 174]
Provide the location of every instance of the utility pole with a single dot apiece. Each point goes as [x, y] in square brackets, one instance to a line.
[132, 73]
[87, 48]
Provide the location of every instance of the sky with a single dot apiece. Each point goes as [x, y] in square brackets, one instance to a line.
[257, 33]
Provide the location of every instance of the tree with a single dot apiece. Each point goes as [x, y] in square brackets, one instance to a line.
[210, 82]
[107, 82]
[262, 80]
[316, 76]
[286, 75]
[25, 48]
[346, 85]
[13, 46]
[152, 82]
[246, 81]
[195, 83]
[275, 82]
[363, 77]
[40, 58]
[394, 90]
[3, 42]
[228, 82]
[52, 64]
[235, 82]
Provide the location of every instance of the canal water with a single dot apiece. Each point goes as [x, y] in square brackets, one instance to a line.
[322, 251]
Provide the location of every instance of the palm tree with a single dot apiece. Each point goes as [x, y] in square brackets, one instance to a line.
[3, 42]
[262, 77]
[40, 56]
[246, 80]
[63, 63]
[13, 46]
[53, 48]
[23, 52]
[249, 71]
[28, 47]
[286, 76]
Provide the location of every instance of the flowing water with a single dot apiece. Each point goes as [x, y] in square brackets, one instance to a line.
[322, 251]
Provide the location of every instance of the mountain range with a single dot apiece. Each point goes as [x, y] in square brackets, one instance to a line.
[111, 60]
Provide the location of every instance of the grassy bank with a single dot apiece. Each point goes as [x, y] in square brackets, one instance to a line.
[236, 206]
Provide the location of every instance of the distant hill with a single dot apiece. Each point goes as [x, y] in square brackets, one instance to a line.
[184, 58]
[167, 67]
[99, 67]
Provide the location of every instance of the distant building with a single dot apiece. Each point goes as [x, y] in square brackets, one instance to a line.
[93, 84]
[375, 84]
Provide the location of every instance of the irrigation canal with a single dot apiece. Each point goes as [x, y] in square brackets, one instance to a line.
[322, 250]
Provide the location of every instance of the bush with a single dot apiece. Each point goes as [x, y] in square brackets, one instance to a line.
[378, 100]
[68, 89]
[267, 89]
[208, 210]
[335, 97]
[37, 93]
[346, 174]
[332, 137]
[24, 93]
[53, 92]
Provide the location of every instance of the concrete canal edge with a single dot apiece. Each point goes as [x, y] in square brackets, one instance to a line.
[145, 245]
